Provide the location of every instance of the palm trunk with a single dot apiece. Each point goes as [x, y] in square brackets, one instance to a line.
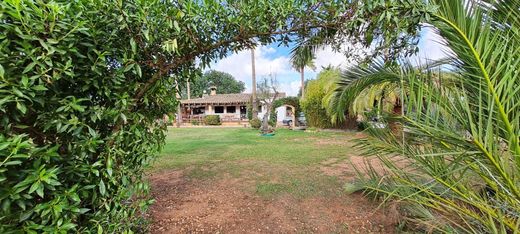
[302, 81]
[188, 88]
[254, 107]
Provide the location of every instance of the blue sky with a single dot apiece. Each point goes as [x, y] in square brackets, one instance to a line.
[276, 60]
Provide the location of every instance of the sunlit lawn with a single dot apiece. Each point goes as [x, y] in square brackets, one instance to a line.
[288, 163]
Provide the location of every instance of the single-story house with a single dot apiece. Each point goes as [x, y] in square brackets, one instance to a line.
[232, 108]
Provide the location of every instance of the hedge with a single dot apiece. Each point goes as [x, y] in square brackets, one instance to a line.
[212, 120]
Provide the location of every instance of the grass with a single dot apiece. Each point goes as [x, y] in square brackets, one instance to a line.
[288, 163]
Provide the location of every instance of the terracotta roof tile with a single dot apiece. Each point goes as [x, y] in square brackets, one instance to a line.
[238, 98]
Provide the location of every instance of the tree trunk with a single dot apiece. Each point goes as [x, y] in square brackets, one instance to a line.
[254, 107]
[188, 88]
[302, 81]
[267, 115]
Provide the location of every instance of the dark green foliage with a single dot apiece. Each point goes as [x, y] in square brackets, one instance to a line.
[224, 82]
[272, 118]
[68, 74]
[249, 111]
[315, 114]
[255, 123]
[212, 120]
[314, 103]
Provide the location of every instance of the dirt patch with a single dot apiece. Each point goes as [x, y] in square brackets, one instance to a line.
[330, 142]
[339, 168]
[348, 169]
[226, 205]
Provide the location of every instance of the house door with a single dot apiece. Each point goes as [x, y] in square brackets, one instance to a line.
[243, 112]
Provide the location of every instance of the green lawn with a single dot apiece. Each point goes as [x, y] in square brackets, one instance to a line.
[291, 162]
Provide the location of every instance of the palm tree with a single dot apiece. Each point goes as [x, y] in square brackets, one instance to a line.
[301, 57]
[456, 164]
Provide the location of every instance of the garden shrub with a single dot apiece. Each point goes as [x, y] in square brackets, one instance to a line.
[249, 112]
[314, 103]
[73, 142]
[195, 122]
[212, 120]
[255, 123]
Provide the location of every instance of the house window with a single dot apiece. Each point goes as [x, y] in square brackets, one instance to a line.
[219, 109]
[198, 111]
[259, 108]
[231, 109]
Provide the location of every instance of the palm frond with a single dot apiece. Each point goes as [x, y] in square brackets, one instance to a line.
[460, 130]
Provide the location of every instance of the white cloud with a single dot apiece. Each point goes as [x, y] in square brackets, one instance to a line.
[326, 57]
[239, 65]
[291, 88]
[431, 46]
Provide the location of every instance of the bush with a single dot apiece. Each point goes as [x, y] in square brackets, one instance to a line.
[212, 120]
[73, 140]
[249, 112]
[314, 102]
[255, 123]
[194, 122]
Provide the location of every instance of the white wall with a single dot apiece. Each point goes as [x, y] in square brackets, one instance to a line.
[280, 113]
[212, 112]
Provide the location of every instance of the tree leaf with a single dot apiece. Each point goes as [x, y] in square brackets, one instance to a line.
[39, 191]
[102, 187]
[138, 70]
[29, 67]
[39, 88]
[133, 45]
[34, 186]
[2, 71]
[6, 204]
[176, 26]
[4, 145]
[25, 81]
[20, 106]
[14, 162]
[25, 215]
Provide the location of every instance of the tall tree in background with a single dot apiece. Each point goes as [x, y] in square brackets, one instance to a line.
[224, 82]
[253, 82]
[302, 57]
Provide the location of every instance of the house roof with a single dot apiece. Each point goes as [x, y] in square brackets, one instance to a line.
[232, 98]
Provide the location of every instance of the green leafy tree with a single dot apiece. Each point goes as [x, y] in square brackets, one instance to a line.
[224, 82]
[456, 167]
